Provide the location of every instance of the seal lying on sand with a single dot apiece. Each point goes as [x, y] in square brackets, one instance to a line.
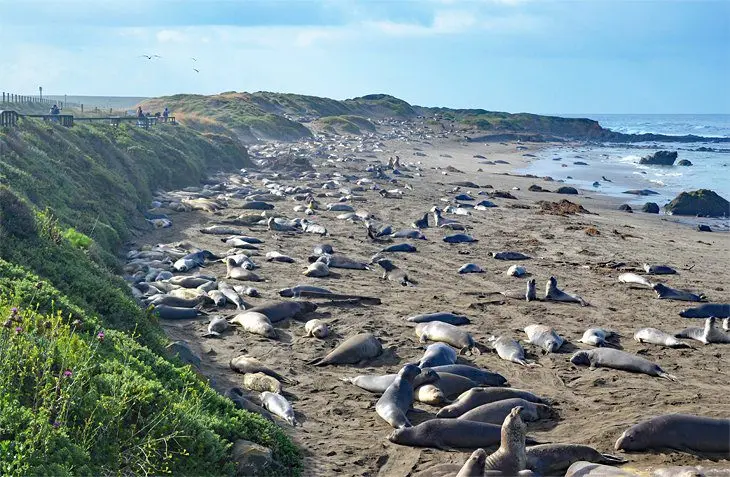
[478, 375]
[241, 402]
[277, 404]
[509, 256]
[317, 328]
[658, 337]
[659, 269]
[707, 310]
[589, 469]
[616, 359]
[597, 337]
[279, 311]
[394, 273]
[248, 364]
[437, 354]
[256, 323]
[446, 317]
[709, 334]
[510, 350]
[378, 384]
[446, 333]
[398, 398]
[496, 412]
[510, 458]
[634, 278]
[361, 347]
[554, 459]
[476, 397]
[702, 436]
[553, 293]
[666, 293]
[544, 337]
[452, 385]
[176, 313]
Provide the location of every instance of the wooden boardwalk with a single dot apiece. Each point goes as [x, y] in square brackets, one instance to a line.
[10, 119]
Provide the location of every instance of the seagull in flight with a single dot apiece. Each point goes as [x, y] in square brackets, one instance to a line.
[196, 70]
[194, 59]
[149, 57]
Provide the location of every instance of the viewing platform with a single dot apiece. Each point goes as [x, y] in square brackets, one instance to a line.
[10, 119]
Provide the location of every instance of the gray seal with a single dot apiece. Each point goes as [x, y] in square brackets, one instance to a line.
[437, 354]
[634, 278]
[410, 234]
[378, 384]
[659, 269]
[658, 337]
[256, 323]
[474, 465]
[339, 261]
[176, 313]
[666, 293]
[617, 359]
[446, 333]
[589, 469]
[510, 256]
[421, 223]
[476, 397]
[277, 404]
[544, 337]
[510, 350]
[279, 311]
[707, 310]
[446, 317]
[393, 273]
[357, 348]
[317, 329]
[248, 364]
[398, 398]
[709, 334]
[216, 327]
[452, 385]
[553, 293]
[295, 292]
[497, 412]
[242, 402]
[698, 435]
[554, 459]
[531, 291]
[478, 375]
[449, 434]
[597, 337]
[510, 458]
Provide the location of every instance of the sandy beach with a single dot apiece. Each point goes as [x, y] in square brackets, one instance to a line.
[340, 433]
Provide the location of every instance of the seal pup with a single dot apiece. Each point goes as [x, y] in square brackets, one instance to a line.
[444, 316]
[421, 223]
[511, 457]
[176, 313]
[476, 397]
[256, 323]
[709, 334]
[553, 293]
[437, 354]
[261, 382]
[478, 375]
[658, 337]
[666, 293]
[231, 295]
[470, 268]
[597, 337]
[531, 292]
[707, 310]
[240, 273]
[496, 412]
[399, 247]
[410, 234]
[616, 359]
[324, 248]
[294, 292]
[459, 238]
[634, 278]
[544, 337]
[282, 310]
[554, 459]
[248, 364]
[378, 384]
[509, 256]
[589, 469]
[659, 269]
[510, 350]
[449, 434]
[278, 405]
[216, 327]
[317, 329]
[393, 273]
[241, 402]
[339, 261]
[430, 394]
[317, 270]
[218, 297]
[516, 271]
[446, 333]
[474, 465]
[353, 350]
[275, 256]
[398, 398]
[698, 435]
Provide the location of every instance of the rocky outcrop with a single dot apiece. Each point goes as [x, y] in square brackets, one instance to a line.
[567, 190]
[536, 188]
[626, 208]
[650, 208]
[684, 162]
[251, 458]
[703, 202]
[660, 158]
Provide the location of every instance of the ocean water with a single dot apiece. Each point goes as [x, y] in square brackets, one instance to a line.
[619, 162]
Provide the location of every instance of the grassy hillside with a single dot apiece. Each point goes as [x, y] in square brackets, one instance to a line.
[85, 385]
[348, 124]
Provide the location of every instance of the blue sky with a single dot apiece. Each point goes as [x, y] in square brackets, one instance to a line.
[544, 56]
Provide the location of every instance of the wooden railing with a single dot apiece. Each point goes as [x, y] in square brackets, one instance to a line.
[26, 99]
[10, 119]
[63, 119]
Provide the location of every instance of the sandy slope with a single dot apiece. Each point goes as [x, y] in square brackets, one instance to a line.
[340, 432]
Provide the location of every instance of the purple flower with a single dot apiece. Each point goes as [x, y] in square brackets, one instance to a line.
[67, 373]
[100, 336]
[56, 424]
[18, 330]
[14, 310]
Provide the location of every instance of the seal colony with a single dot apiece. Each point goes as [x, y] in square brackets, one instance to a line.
[364, 385]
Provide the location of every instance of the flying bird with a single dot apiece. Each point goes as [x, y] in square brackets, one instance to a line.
[194, 59]
[149, 57]
[196, 70]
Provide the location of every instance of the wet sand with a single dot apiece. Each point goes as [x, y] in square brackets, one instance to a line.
[340, 433]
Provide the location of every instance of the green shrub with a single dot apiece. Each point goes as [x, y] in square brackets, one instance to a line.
[77, 239]
[16, 218]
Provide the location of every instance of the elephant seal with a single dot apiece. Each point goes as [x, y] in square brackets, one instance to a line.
[510, 350]
[698, 435]
[658, 337]
[446, 317]
[531, 292]
[470, 268]
[340, 261]
[474, 465]
[544, 337]
[634, 278]
[393, 273]
[188, 281]
[409, 233]
[231, 295]
[476, 397]
[511, 457]
[275, 256]
[256, 323]
[496, 412]
[241, 402]
[217, 325]
[400, 247]
[175, 301]
[357, 348]
[445, 333]
[317, 329]
[277, 404]
[261, 382]
[248, 364]
[398, 398]
[295, 292]
[478, 375]
[240, 273]
[597, 337]
[437, 354]
[430, 394]
[282, 310]
[708, 310]
[176, 313]
[449, 434]
[378, 384]
[459, 238]
[509, 256]
[709, 334]
[453, 385]
[617, 359]
[553, 293]
[317, 270]
[666, 293]
[554, 459]
[219, 299]
[589, 469]
[421, 223]
[659, 269]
